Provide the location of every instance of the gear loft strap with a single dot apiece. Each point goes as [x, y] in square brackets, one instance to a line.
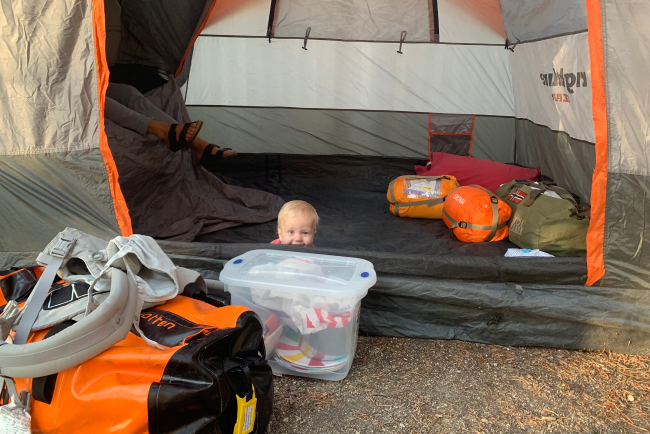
[495, 212]
[36, 299]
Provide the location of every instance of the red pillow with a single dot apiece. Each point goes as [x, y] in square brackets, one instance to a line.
[469, 170]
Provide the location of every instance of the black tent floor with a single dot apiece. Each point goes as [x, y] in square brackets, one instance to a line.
[349, 193]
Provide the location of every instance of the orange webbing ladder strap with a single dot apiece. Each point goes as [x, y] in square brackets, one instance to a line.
[493, 228]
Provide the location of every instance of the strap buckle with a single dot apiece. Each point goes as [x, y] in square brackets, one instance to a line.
[494, 199]
[462, 225]
[62, 247]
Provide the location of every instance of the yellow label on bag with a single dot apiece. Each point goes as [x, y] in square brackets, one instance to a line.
[245, 414]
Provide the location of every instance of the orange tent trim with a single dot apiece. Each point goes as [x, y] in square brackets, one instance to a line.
[596, 233]
[119, 203]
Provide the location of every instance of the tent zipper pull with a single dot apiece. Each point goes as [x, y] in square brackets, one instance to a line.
[304, 47]
[402, 38]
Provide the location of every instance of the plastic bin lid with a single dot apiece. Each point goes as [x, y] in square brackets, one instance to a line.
[304, 273]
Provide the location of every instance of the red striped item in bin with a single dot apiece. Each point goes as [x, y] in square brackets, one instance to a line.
[315, 319]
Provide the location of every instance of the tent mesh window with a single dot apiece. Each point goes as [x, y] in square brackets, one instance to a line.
[451, 133]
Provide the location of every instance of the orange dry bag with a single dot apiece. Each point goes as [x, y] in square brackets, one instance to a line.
[212, 376]
[476, 214]
[419, 196]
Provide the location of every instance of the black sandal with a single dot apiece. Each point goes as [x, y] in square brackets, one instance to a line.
[182, 142]
[209, 160]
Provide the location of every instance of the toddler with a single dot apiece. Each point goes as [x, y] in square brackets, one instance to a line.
[297, 224]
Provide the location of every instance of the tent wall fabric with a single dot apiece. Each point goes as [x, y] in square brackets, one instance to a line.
[315, 132]
[470, 21]
[53, 166]
[146, 36]
[552, 84]
[355, 20]
[343, 95]
[354, 132]
[552, 88]
[250, 72]
[113, 13]
[538, 19]
[494, 139]
[239, 18]
[626, 54]
[568, 161]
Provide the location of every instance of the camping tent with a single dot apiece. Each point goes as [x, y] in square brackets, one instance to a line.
[329, 100]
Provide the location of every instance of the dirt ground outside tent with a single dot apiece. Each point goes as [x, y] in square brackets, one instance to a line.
[400, 385]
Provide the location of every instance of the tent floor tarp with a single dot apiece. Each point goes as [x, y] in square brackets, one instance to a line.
[349, 193]
[429, 284]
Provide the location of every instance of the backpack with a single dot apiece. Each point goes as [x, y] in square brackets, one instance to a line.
[546, 217]
[126, 341]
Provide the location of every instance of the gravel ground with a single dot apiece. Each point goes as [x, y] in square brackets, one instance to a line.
[399, 385]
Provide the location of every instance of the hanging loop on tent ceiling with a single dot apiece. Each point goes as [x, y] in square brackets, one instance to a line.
[402, 38]
[304, 47]
[511, 47]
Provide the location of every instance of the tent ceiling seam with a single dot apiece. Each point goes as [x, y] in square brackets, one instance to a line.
[546, 38]
[586, 142]
[301, 38]
[348, 110]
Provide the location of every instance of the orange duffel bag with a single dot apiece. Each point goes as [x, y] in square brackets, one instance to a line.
[476, 215]
[211, 376]
[419, 197]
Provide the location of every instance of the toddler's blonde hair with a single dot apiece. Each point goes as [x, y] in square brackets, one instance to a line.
[298, 207]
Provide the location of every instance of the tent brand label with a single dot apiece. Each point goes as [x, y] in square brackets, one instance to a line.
[567, 80]
[169, 329]
[458, 199]
[517, 196]
[552, 85]
[517, 226]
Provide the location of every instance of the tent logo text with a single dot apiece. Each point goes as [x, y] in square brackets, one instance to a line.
[568, 80]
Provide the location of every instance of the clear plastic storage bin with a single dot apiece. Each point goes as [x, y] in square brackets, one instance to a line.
[309, 305]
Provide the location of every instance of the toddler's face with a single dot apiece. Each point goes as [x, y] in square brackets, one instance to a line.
[297, 229]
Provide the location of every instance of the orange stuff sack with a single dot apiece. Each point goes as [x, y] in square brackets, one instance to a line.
[213, 362]
[419, 197]
[476, 215]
